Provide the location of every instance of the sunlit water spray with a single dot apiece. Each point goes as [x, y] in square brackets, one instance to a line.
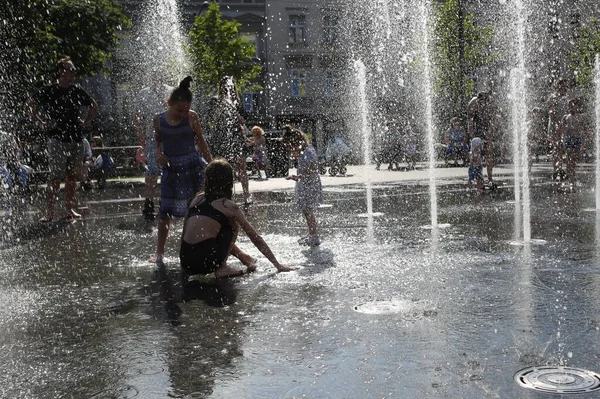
[425, 17]
[518, 96]
[361, 78]
[159, 43]
[597, 130]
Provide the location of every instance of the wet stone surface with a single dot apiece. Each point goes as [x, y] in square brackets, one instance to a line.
[410, 313]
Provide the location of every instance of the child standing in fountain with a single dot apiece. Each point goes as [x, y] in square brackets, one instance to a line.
[476, 164]
[576, 134]
[178, 134]
[308, 181]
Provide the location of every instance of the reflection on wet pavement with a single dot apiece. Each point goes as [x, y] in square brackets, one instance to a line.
[443, 313]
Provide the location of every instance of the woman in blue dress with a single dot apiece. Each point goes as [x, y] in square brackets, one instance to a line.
[178, 139]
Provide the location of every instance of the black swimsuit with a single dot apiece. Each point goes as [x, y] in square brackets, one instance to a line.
[207, 255]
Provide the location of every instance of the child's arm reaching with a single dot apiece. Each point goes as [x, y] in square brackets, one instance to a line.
[312, 169]
[259, 242]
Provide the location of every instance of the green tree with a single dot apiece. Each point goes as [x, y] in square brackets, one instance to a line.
[36, 33]
[452, 75]
[218, 50]
[583, 56]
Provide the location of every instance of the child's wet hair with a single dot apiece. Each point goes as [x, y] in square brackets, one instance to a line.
[182, 92]
[97, 141]
[292, 136]
[218, 180]
[257, 130]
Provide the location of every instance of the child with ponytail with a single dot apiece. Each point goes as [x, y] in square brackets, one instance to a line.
[178, 139]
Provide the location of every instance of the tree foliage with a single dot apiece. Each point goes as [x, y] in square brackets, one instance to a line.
[583, 56]
[477, 41]
[218, 50]
[36, 33]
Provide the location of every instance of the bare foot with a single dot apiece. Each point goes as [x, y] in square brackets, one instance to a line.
[251, 267]
[228, 271]
[247, 260]
[156, 258]
[284, 268]
[71, 214]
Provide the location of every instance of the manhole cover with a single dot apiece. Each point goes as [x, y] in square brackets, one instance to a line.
[558, 379]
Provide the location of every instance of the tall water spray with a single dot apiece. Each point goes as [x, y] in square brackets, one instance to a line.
[361, 79]
[597, 130]
[518, 97]
[425, 17]
[159, 43]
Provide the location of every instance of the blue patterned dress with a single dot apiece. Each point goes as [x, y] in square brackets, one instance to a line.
[308, 189]
[184, 176]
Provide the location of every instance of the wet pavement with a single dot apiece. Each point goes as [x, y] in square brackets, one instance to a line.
[413, 312]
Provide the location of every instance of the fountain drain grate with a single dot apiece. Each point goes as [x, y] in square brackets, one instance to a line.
[558, 379]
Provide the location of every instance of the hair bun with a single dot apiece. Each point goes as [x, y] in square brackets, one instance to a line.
[185, 83]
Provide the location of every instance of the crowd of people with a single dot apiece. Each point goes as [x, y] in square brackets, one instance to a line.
[197, 172]
[559, 129]
[196, 175]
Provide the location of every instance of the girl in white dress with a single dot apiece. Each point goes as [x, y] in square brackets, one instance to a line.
[308, 182]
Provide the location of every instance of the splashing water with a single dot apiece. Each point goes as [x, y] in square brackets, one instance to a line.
[425, 17]
[597, 130]
[361, 78]
[159, 43]
[518, 95]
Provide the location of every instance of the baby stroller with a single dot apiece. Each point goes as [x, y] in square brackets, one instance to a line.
[335, 156]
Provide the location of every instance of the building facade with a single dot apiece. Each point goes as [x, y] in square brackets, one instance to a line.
[298, 46]
[304, 47]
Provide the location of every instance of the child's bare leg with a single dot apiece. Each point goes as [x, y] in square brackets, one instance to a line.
[150, 186]
[70, 185]
[311, 221]
[52, 192]
[225, 270]
[571, 155]
[243, 175]
[480, 186]
[489, 160]
[243, 257]
[558, 154]
[163, 232]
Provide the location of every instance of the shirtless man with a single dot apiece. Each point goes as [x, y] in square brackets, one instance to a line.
[480, 125]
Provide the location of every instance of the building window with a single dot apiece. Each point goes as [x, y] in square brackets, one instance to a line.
[297, 29]
[333, 81]
[251, 102]
[330, 29]
[298, 81]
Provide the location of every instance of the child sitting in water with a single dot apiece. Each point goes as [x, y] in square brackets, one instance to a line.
[211, 227]
[476, 164]
[308, 181]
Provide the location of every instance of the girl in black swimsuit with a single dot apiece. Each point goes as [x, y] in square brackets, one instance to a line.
[211, 227]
